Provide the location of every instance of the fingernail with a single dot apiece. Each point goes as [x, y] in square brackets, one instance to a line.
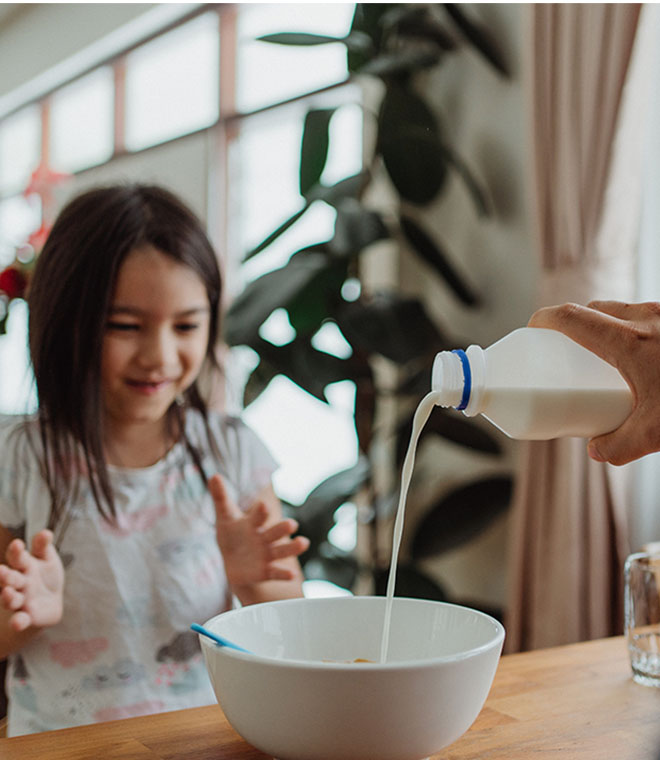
[595, 454]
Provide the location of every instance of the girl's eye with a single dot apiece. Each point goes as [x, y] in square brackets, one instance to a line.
[187, 326]
[121, 326]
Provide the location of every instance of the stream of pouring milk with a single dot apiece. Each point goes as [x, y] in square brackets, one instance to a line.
[422, 413]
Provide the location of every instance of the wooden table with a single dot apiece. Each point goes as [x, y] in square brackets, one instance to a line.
[576, 702]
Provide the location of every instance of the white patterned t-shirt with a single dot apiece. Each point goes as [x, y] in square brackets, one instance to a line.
[124, 645]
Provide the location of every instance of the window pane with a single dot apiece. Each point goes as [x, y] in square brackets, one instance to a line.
[310, 440]
[81, 122]
[265, 179]
[172, 84]
[265, 163]
[270, 73]
[20, 148]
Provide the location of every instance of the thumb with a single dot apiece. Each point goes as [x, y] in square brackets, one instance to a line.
[615, 448]
[225, 509]
[42, 544]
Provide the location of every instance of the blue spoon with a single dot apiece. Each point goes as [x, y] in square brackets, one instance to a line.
[219, 640]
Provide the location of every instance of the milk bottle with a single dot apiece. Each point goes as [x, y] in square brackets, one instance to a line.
[534, 384]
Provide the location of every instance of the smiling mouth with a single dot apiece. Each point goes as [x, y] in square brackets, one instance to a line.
[147, 387]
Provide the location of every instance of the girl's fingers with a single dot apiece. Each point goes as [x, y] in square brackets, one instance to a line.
[258, 514]
[225, 509]
[11, 578]
[12, 600]
[277, 573]
[280, 530]
[41, 543]
[292, 548]
[19, 621]
[17, 555]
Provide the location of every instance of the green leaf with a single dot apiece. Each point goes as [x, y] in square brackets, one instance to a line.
[389, 324]
[410, 582]
[271, 291]
[314, 147]
[357, 43]
[410, 144]
[316, 302]
[401, 63]
[324, 500]
[279, 231]
[461, 515]
[258, 381]
[366, 20]
[316, 515]
[356, 228]
[299, 39]
[431, 252]
[479, 38]
[308, 368]
[450, 425]
[351, 187]
[418, 23]
[331, 564]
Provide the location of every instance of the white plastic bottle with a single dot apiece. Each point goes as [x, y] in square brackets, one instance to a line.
[534, 384]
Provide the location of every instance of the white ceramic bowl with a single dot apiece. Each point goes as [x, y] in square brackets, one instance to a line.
[300, 696]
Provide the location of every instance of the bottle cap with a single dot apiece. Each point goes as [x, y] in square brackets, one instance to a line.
[452, 379]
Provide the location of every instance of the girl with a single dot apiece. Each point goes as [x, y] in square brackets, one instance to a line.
[116, 529]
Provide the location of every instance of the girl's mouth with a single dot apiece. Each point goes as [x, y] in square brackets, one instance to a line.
[147, 387]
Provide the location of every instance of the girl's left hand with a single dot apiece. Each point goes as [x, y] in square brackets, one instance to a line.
[250, 547]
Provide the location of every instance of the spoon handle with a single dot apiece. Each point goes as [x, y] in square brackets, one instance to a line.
[219, 640]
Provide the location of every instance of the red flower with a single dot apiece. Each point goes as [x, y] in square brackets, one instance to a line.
[13, 282]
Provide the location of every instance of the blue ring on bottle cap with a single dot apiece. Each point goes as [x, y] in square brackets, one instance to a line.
[467, 378]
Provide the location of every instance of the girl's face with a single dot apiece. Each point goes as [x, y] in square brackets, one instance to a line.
[155, 339]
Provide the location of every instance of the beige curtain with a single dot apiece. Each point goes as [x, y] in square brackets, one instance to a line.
[569, 533]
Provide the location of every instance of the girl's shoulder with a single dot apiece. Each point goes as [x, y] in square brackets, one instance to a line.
[19, 435]
[20, 469]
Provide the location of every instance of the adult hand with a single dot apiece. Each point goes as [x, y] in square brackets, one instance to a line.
[32, 583]
[254, 543]
[628, 337]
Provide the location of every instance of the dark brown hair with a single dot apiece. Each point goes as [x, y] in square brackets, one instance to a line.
[69, 298]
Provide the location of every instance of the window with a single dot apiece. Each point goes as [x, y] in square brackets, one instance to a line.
[268, 73]
[81, 122]
[172, 84]
[20, 149]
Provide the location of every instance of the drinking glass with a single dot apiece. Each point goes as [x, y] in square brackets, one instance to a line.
[642, 615]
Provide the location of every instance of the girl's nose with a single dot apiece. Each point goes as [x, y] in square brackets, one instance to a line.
[157, 349]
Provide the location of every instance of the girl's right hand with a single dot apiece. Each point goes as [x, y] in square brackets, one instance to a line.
[32, 583]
